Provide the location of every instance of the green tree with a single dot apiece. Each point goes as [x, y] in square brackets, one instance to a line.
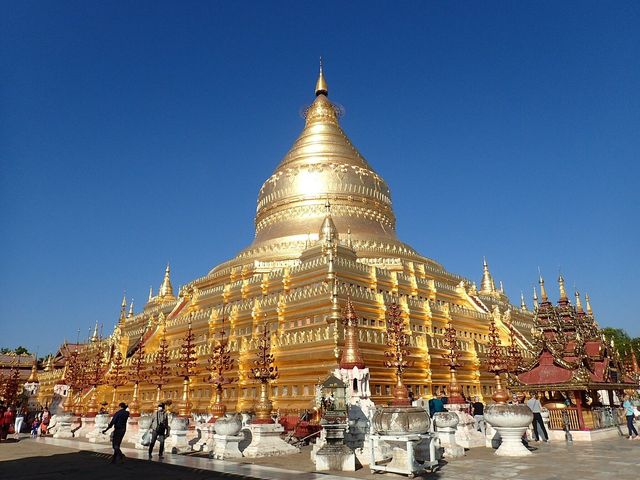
[21, 350]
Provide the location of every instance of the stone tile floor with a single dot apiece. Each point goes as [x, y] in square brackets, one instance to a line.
[51, 459]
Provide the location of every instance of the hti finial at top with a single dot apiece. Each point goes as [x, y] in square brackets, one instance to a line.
[321, 84]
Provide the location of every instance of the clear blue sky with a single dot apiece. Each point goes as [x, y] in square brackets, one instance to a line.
[136, 133]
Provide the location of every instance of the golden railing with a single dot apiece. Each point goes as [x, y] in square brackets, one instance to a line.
[557, 418]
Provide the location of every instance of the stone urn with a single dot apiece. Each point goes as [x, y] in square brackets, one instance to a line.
[144, 422]
[230, 424]
[445, 420]
[511, 421]
[401, 420]
[446, 424]
[179, 423]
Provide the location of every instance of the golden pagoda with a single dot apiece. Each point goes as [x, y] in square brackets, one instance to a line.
[325, 231]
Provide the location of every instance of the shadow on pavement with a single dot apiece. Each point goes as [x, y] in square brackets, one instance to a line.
[97, 466]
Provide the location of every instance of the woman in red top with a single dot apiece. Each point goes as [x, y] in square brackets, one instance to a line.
[7, 421]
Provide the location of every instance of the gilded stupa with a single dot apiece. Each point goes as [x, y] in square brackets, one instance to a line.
[325, 231]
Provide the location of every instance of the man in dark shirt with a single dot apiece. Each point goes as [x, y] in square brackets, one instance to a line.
[119, 424]
[478, 414]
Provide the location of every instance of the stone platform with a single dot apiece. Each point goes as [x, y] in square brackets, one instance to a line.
[555, 460]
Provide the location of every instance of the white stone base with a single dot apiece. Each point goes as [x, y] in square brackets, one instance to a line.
[511, 445]
[87, 425]
[340, 458]
[226, 446]
[466, 434]
[64, 427]
[100, 423]
[587, 435]
[492, 437]
[447, 439]
[266, 442]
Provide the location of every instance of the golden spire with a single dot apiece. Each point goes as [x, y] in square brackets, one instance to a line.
[486, 286]
[49, 366]
[131, 309]
[543, 292]
[588, 300]
[351, 356]
[328, 230]
[150, 293]
[33, 378]
[501, 287]
[563, 292]
[94, 337]
[123, 307]
[166, 289]
[578, 303]
[321, 84]
[535, 298]
[523, 305]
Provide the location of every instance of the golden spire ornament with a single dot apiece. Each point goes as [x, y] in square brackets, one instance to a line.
[351, 356]
[115, 378]
[186, 369]
[451, 341]
[220, 362]
[543, 292]
[264, 371]
[397, 353]
[160, 372]
[563, 292]
[137, 373]
[321, 84]
[496, 363]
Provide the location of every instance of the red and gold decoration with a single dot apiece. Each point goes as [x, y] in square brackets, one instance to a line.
[264, 372]
[10, 386]
[95, 370]
[220, 362]
[451, 341]
[397, 354]
[160, 372]
[116, 377]
[497, 363]
[136, 374]
[186, 368]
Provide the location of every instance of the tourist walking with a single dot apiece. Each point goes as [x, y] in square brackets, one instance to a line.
[630, 414]
[478, 414]
[20, 417]
[159, 429]
[536, 407]
[119, 424]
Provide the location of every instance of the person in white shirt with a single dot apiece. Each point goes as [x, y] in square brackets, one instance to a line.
[536, 407]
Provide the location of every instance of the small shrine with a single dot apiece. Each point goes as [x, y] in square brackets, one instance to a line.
[580, 374]
[334, 400]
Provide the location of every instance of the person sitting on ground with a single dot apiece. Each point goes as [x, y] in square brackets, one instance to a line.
[119, 424]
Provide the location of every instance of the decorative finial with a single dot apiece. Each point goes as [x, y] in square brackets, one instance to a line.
[150, 293]
[351, 356]
[123, 307]
[535, 298]
[328, 230]
[94, 337]
[501, 287]
[543, 292]
[131, 309]
[563, 292]
[486, 286]
[523, 305]
[578, 303]
[166, 289]
[588, 300]
[321, 84]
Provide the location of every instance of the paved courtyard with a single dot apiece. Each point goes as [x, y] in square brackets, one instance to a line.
[57, 459]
